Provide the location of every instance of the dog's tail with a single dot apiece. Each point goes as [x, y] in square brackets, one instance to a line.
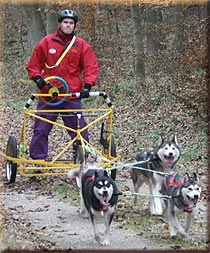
[73, 173]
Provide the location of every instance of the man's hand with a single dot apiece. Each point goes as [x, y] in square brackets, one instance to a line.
[85, 93]
[87, 86]
[39, 81]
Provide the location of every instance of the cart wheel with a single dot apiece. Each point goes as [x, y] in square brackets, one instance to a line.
[78, 159]
[113, 154]
[105, 144]
[11, 167]
[79, 156]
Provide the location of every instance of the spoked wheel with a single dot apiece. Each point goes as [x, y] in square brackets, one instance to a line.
[105, 143]
[55, 91]
[78, 159]
[11, 167]
[113, 154]
[79, 156]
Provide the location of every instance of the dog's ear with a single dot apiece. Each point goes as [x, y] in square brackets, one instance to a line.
[161, 140]
[174, 139]
[105, 173]
[186, 177]
[96, 174]
[195, 177]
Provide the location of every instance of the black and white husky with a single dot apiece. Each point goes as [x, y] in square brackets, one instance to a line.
[162, 159]
[98, 195]
[184, 193]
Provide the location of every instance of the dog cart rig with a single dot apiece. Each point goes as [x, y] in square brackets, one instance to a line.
[17, 153]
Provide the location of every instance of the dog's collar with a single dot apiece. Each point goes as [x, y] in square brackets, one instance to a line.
[103, 209]
[188, 209]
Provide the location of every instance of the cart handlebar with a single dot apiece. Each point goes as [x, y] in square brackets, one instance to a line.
[74, 94]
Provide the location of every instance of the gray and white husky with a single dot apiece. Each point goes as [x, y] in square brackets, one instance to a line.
[98, 193]
[184, 193]
[162, 159]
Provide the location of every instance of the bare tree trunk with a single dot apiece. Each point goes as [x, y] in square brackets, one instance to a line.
[179, 35]
[51, 18]
[152, 19]
[208, 78]
[114, 11]
[100, 9]
[139, 49]
[35, 25]
[108, 18]
[203, 11]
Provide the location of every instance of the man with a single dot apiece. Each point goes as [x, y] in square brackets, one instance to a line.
[80, 61]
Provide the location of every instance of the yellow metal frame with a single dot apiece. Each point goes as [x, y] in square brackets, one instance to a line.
[57, 167]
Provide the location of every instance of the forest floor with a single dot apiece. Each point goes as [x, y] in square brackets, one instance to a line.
[42, 213]
[36, 217]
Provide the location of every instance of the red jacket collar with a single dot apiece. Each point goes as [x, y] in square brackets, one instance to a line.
[64, 37]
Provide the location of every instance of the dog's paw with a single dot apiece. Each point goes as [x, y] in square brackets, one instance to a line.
[185, 235]
[104, 242]
[187, 238]
[157, 212]
[82, 211]
[173, 235]
[97, 238]
[172, 230]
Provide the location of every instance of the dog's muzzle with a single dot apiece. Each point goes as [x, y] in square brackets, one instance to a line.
[192, 203]
[169, 159]
[104, 199]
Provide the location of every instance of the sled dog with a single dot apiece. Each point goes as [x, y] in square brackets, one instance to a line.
[184, 193]
[162, 159]
[98, 195]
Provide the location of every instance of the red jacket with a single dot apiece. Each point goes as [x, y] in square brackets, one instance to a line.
[78, 67]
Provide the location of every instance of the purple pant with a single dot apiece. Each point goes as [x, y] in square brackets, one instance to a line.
[39, 143]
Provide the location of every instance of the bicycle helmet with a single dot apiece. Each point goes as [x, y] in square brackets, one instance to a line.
[67, 14]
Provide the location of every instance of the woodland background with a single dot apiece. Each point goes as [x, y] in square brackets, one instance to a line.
[153, 65]
[161, 89]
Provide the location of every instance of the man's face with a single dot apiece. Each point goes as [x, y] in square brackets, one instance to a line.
[67, 25]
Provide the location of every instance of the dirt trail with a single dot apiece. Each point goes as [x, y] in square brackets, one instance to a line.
[37, 219]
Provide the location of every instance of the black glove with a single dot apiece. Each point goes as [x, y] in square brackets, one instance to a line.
[87, 86]
[85, 93]
[39, 81]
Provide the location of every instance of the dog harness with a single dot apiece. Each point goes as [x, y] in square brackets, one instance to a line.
[172, 181]
[91, 178]
[175, 183]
